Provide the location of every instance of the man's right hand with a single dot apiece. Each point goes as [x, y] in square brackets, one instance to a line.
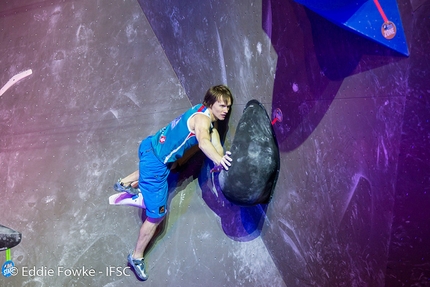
[226, 160]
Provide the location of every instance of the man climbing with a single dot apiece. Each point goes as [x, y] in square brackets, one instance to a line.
[157, 153]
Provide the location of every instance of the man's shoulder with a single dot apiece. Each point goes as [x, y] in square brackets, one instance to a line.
[202, 119]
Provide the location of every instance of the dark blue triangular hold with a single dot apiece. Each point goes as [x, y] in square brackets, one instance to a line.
[364, 18]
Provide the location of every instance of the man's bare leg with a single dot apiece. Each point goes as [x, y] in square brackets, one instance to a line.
[146, 233]
[131, 179]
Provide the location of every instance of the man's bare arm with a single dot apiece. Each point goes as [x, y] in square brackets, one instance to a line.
[216, 142]
[201, 128]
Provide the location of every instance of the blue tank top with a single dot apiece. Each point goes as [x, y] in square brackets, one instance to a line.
[171, 142]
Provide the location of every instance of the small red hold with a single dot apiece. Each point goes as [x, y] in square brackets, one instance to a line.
[277, 116]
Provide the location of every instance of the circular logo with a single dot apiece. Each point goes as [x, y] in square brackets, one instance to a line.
[162, 139]
[8, 269]
[388, 30]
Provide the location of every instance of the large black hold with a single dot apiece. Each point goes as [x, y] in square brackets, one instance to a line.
[252, 176]
[8, 238]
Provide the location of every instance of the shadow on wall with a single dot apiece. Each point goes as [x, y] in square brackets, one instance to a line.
[238, 222]
[313, 60]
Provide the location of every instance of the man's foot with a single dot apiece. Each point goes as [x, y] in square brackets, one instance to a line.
[138, 266]
[119, 187]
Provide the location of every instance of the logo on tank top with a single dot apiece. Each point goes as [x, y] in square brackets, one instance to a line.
[175, 122]
[162, 139]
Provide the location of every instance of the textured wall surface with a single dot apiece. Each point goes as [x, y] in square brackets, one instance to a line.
[350, 204]
[353, 111]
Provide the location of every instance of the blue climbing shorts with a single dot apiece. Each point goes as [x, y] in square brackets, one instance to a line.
[152, 180]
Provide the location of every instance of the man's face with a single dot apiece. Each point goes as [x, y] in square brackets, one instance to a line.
[220, 110]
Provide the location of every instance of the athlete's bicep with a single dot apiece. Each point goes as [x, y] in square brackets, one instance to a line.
[202, 124]
[201, 127]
